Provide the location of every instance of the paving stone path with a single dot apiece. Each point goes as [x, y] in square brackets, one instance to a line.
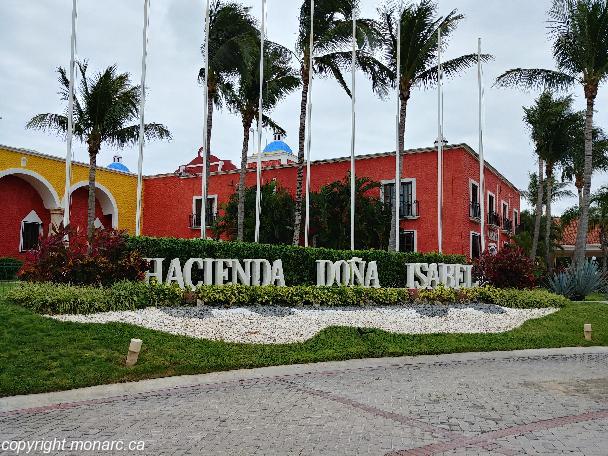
[532, 402]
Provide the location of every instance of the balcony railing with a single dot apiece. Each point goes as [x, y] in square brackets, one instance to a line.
[475, 211]
[507, 225]
[493, 219]
[195, 220]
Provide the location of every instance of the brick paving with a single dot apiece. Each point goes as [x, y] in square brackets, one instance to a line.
[537, 403]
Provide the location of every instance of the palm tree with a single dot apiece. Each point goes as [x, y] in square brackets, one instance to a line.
[106, 110]
[231, 30]
[598, 220]
[331, 55]
[573, 163]
[550, 121]
[419, 49]
[280, 79]
[559, 191]
[580, 49]
[331, 215]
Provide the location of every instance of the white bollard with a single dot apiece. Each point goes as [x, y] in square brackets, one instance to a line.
[134, 349]
[588, 331]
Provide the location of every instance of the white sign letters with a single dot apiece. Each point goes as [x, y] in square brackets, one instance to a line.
[346, 273]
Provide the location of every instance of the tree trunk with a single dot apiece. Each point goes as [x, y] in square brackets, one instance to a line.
[583, 224]
[297, 224]
[605, 252]
[549, 220]
[392, 240]
[247, 121]
[210, 118]
[578, 183]
[93, 151]
[539, 209]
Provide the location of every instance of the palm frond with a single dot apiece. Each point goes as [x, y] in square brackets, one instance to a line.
[535, 78]
[55, 123]
[450, 68]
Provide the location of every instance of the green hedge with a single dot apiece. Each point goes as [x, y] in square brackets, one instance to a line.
[299, 263]
[9, 267]
[50, 298]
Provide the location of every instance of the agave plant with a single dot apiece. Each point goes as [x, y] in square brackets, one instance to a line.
[578, 282]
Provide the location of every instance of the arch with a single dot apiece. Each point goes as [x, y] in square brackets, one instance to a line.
[105, 198]
[49, 196]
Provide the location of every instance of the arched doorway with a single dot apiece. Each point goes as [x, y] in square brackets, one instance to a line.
[106, 210]
[26, 199]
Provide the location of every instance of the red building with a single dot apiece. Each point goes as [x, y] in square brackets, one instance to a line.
[32, 186]
[172, 202]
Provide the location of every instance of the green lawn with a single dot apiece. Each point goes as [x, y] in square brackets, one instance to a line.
[38, 354]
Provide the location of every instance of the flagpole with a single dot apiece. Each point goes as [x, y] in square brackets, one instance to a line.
[205, 114]
[481, 156]
[353, 136]
[258, 192]
[70, 132]
[398, 145]
[439, 148]
[309, 120]
[141, 120]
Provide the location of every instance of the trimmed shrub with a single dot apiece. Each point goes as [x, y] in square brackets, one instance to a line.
[510, 267]
[50, 298]
[109, 261]
[299, 263]
[300, 296]
[9, 267]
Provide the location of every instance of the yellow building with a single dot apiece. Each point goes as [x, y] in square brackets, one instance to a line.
[32, 188]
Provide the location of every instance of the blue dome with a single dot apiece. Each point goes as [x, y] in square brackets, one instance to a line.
[116, 166]
[278, 146]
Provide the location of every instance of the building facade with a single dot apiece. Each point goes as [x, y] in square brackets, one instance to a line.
[31, 186]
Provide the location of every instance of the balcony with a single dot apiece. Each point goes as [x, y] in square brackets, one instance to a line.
[475, 211]
[493, 219]
[507, 225]
[195, 220]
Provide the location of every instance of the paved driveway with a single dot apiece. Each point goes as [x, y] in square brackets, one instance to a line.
[529, 402]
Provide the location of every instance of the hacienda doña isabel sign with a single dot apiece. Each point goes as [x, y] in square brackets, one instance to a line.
[260, 272]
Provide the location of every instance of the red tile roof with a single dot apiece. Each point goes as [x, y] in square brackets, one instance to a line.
[569, 235]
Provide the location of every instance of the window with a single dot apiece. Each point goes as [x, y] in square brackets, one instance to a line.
[493, 217]
[474, 193]
[475, 245]
[474, 207]
[31, 229]
[407, 241]
[408, 206]
[515, 218]
[195, 218]
[505, 210]
[491, 203]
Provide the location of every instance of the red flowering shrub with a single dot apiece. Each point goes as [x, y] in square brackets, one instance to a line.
[508, 268]
[109, 260]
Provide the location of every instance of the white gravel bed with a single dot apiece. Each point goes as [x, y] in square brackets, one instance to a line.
[275, 325]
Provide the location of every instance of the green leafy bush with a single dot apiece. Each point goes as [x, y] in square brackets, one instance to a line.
[9, 268]
[50, 298]
[299, 263]
[299, 296]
